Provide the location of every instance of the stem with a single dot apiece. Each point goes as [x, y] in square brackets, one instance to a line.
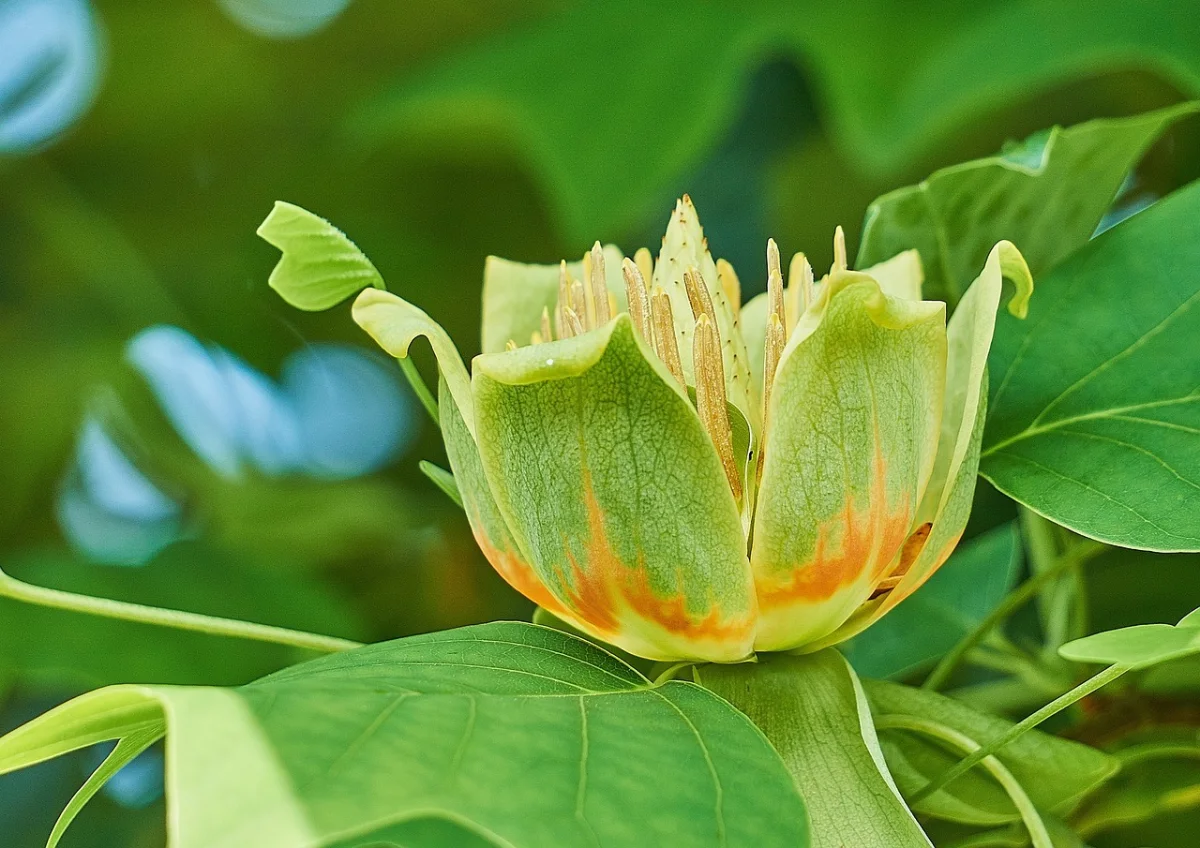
[1059, 704]
[17, 590]
[418, 385]
[1021, 800]
[1018, 598]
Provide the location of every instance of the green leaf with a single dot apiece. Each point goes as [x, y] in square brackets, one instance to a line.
[813, 710]
[1140, 646]
[1095, 407]
[516, 734]
[945, 609]
[854, 423]
[320, 266]
[1055, 773]
[638, 111]
[616, 497]
[1046, 195]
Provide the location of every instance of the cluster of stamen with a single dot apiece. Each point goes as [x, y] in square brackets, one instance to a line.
[587, 304]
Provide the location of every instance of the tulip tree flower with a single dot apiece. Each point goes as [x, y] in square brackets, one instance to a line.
[684, 476]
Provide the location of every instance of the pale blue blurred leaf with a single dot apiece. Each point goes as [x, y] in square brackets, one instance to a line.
[50, 59]
[283, 18]
[350, 407]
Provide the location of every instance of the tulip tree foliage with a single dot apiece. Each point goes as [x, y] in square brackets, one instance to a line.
[707, 497]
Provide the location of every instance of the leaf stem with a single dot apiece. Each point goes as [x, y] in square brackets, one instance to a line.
[1059, 704]
[18, 590]
[418, 386]
[1021, 800]
[1018, 598]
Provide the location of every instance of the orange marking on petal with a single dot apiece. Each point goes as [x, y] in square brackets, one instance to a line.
[602, 587]
[913, 546]
[518, 574]
[938, 560]
[863, 538]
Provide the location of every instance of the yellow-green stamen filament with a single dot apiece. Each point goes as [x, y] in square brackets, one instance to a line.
[710, 397]
[639, 302]
[665, 343]
[839, 250]
[599, 286]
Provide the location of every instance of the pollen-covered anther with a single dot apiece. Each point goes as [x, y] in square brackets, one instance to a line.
[639, 301]
[776, 329]
[839, 250]
[711, 400]
[730, 284]
[546, 334]
[510, 345]
[572, 325]
[665, 343]
[579, 304]
[599, 286]
[697, 294]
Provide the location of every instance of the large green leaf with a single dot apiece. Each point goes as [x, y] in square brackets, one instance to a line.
[944, 610]
[1055, 773]
[610, 105]
[1095, 406]
[1046, 195]
[502, 734]
[813, 710]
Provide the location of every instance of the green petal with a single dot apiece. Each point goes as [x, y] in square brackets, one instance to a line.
[947, 501]
[853, 430]
[514, 295]
[901, 276]
[320, 267]
[393, 323]
[487, 524]
[683, 247]
[609, 483]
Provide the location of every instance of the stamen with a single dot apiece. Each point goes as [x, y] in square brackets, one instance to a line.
[773, 259]
[546, 335]
[639, 303]
[510, 345]
[800, 280]
[645, 263]
[665, 343]
[579, 304]
[599, 285]
[773, 343]
[588, 313]
[535, 338]
[573, 326]
[710, 397]
[839, 250]
[731, 285]
[698, 296]
[564, 300]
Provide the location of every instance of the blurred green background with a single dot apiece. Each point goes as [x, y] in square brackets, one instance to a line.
[141, 144]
